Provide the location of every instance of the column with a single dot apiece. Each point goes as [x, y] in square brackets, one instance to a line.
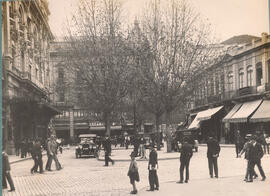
[71, 125]
[264, 67]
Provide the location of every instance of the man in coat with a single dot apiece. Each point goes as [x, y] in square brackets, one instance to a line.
[213, 150]
[107, 151]
[52, 154]
[238, 143]
[255, 155]
[6, 173]
[37, 157]
[186, 154]
[152, 167]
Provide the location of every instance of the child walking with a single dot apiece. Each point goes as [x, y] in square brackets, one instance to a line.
[133, 173]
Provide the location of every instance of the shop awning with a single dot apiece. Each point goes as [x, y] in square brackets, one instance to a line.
[203, 115]
[232, 112]
[263, 113]
[207, 114]
[245, 111]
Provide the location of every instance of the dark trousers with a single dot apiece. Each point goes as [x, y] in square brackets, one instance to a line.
[251, 165]
[107, 158]
[153, 179]
[49, 162]
[266, 148]
[38, 163]
[184, 165]
[237, 149]
[7, 176]
[212, 163]
[253, 173]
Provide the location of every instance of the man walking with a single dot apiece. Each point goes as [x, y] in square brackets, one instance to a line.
[107, 151]
[246, 150]
[6, 173]
[213, 150]
[186, 154]
[52, 154]
[238, 143]
[37, 156]
[255, 155]
[152, 167]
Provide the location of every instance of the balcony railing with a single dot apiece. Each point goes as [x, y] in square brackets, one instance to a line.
[16, 71]
[26, 76]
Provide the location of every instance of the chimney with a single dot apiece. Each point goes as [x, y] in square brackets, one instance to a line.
[264, 37]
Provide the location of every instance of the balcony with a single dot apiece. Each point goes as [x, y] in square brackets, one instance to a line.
[16, 71]
[27, 76]
[247, 91]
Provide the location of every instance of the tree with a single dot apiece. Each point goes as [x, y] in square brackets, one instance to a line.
[100, 56]
[180, 47]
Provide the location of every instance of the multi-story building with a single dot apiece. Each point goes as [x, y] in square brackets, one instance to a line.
[234, 93]
[26, 38]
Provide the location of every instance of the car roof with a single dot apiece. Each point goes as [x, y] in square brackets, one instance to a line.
[87, 135]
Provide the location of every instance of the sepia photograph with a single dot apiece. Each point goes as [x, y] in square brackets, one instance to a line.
[135, 97]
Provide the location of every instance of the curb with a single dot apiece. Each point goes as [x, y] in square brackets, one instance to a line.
[24, 159]
[221, 145]
[128, 160]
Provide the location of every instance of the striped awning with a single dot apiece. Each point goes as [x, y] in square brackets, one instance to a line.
[207, 114]
[263, 113]
[244, 113]
[232, 112]
[203, 115]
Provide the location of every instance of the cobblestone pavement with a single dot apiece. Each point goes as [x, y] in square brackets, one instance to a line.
[87, 176]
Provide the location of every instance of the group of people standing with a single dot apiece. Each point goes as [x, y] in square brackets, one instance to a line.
[133, 171]
[51, 147]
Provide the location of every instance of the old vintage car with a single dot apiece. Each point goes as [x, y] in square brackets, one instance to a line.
[87, 146]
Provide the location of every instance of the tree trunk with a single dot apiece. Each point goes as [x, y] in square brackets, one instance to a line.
[107, 124]
[157, 131]
[168, 132]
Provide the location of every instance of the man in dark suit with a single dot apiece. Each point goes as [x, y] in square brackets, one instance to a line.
[152, 167]
[255, 155]
[6, 173]
[213, 150]
[37, 156]
[186, 154]
[107, 150]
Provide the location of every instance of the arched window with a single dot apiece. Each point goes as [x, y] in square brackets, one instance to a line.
[249, 75]
[29, 36]
[21, 19]
[241, 77]
[230, 81]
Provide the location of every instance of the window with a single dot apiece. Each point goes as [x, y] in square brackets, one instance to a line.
[249, 75]
[230, 81]
[259, 74]
[61, 74]
[241, 77]
[36, 73]
[61, 96]
[217, 88]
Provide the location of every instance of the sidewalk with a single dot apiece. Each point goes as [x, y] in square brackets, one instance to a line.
[229, 185]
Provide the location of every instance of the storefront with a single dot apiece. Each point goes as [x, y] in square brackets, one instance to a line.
[208, 122]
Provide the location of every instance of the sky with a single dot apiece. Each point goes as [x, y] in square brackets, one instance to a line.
[228, 18]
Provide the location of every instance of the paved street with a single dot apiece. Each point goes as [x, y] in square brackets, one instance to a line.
[87, 176]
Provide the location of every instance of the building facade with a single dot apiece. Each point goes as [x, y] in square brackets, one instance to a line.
[232, 92]
[26, 79]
